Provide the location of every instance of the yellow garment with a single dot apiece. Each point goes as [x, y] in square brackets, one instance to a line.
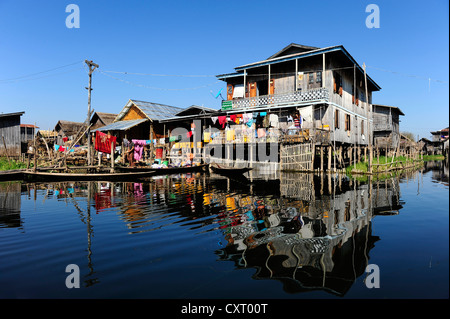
[207, 137]
[230, 135]
[231, 205]
[206, 199]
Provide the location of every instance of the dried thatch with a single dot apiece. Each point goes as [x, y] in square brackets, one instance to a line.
[68, 128]
[100, 119]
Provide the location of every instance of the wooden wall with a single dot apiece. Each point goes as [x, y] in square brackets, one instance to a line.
[133, 114]
[10, 135]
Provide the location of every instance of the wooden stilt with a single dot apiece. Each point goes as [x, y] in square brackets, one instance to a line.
[321, 158]
[329, 158]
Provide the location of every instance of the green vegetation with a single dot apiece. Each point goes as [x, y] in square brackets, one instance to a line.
[6, 164]
[433, 157]
[381, 164]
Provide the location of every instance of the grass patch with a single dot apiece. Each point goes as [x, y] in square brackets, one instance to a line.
[380, 164]
[433, 157]
[6, 165]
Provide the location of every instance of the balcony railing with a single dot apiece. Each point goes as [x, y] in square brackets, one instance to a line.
[277, 99]
[382, 126]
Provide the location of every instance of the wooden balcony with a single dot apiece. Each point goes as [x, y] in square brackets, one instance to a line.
[383, 126]
[293, 98]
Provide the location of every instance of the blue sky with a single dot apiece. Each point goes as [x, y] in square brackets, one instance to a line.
[208, 38]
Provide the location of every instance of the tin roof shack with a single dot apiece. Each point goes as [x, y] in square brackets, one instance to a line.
[386, 126]
[326, 85]
[10, 144]
[69, 131]
[100, 119]
[140, 120]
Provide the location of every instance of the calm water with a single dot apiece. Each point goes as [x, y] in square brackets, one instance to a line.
[201, 236]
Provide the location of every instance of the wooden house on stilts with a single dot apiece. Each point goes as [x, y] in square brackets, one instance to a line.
[329, 91]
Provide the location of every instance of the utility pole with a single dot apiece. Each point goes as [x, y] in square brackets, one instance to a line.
[92, 66]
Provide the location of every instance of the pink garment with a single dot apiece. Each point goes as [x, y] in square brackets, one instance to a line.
[138, 148]
[261, 132]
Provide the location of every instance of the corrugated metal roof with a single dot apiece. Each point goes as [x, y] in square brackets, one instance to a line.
[202, 110]
[154, 111]
[120, 125]
[157, 111]
[12, 114]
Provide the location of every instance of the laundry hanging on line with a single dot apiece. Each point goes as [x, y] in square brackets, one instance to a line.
[103, 142]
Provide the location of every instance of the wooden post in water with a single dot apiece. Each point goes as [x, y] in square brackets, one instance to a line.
[112, 157]
[329, 158]
[35, 152]
[349, 153]
[92, 66]
[321, 158]
[369, 118]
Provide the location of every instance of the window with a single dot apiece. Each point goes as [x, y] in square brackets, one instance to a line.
[337, 87]
[311, 78]
[319, 77]
[336, 119]
[362, 127]
[347, 122]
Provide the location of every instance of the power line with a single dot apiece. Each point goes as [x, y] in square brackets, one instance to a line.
[407, 75]
[40, 77]
[156, 88]
[265, 74]
[168, 75]
[37, 73]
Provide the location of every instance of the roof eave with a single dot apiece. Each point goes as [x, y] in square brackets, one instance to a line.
[305, 55]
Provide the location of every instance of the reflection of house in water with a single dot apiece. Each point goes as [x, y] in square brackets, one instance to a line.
[386, 197]
[10, 193]
[314, 240]
[439, 170]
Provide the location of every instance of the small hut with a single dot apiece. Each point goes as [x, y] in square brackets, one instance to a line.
[100, 119]
[68, 131]
[10, 144]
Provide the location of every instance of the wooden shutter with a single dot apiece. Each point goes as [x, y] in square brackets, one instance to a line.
[230, 89]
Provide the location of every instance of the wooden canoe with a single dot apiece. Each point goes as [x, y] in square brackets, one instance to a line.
[47, 176]
[165, 171]
[12, 175]
[227, 170]
[124, 174]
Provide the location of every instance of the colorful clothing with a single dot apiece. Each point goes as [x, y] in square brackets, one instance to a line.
[222, 121]
[103, 142]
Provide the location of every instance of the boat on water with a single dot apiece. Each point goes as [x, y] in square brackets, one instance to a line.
[227, 170]
[12, 175]
[165, 170]
[123, 174]
[49, 176]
